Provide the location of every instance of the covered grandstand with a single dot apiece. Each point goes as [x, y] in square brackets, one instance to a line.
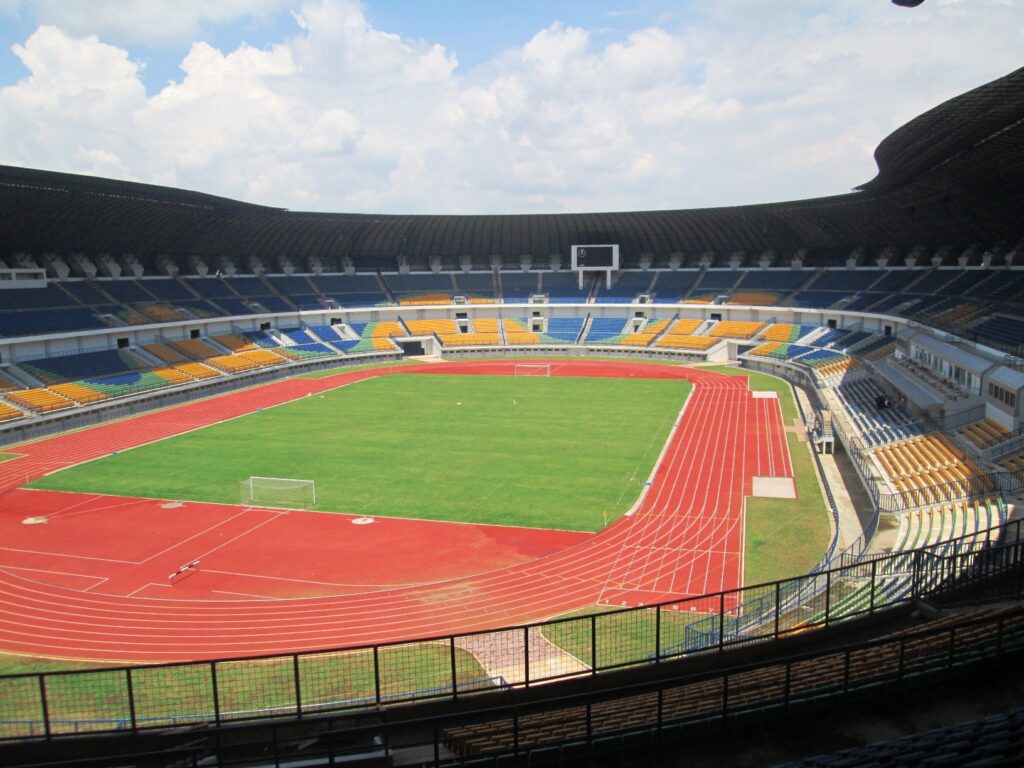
[897, 307]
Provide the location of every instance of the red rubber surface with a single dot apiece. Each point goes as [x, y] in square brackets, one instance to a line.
[685, 538]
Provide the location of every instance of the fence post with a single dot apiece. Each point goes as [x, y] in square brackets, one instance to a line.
[828, 595]
[778, 607]
[874, 573]
[593, 643]
[298, 684]
[657, 634]
[526, 658]
[376, 673]
[216, 693]
[455, 679]
[45, 705]
[131, 696]
[915, 573]
[721, 621]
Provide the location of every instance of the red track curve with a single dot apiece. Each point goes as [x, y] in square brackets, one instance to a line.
[685, 538]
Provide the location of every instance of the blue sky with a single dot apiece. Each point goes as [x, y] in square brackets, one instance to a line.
[478, 107]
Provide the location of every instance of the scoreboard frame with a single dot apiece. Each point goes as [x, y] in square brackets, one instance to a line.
[579, 252]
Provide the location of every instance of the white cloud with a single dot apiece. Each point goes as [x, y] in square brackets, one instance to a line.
[746, 103]
[151, 22]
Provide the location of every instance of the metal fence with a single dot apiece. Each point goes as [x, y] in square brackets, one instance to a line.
[132, 698]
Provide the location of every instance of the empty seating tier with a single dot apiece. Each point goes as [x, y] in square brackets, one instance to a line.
[736, 329]
[930, 469]
[486, 325]
[194, 349]
[985, 433]
[9, 412]
[470, 339]
[39, 400]
[430, 327]
[69, 367]
[685, 327]
[605, 330]
[755, 298]
[787, 332]
[689, 343]
[165, 353]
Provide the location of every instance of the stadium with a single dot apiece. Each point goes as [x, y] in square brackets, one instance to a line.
[285, 488]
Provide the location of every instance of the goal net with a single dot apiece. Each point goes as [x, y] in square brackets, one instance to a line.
[533, 369]
[278, 492]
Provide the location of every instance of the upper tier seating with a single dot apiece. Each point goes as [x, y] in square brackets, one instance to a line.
[517, 287]
[719, 280]
[125, 291]
[298, 290]
[421, 288]
[625, 288]
[351, 290]
[781, 280]
[1005, 330]
[477, 287]
[846, 279]
[670, 287]
[563, 288]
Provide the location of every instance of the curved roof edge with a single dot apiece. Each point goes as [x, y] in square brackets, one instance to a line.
[944, 133]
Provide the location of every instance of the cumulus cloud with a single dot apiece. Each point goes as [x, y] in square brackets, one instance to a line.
[743, 103]
[151, 22]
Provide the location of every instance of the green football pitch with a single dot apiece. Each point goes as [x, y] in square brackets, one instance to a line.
[559, 452]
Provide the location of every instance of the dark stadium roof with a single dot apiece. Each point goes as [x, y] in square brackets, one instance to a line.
[953, 176]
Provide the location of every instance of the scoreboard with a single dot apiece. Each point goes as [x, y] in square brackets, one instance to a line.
[595, 257]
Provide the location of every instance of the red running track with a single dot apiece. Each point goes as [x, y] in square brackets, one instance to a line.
[684, 538]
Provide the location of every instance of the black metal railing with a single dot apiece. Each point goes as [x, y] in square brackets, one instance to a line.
[134, 698]
[577, 725]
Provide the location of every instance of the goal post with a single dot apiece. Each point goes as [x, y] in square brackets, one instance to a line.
[533, 369]
[278, 492]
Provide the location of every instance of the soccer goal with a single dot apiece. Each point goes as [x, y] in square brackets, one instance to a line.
[278, 492]
[533, 369]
